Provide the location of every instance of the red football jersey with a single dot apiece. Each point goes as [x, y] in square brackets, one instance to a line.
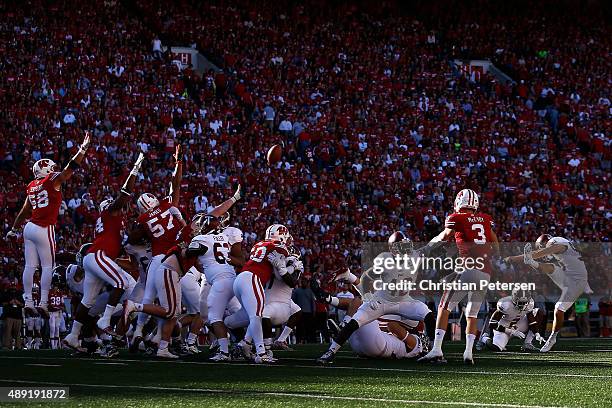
[259, 263]
[473, 234]
[45, 200]
[56, 300]
[163, 224]
[175, 259]
[108, 234]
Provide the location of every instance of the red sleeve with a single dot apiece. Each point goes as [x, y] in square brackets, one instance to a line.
[452, 222]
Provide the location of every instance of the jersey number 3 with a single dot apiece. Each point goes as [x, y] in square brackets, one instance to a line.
[482, 238]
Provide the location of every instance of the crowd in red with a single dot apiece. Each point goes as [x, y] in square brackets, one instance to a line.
[380, 130]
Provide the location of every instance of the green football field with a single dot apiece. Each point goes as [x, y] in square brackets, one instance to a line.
[577, 374]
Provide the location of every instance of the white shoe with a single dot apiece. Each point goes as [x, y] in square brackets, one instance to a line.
[106, 328]
[468, 358]
[221, 356]
[164, 353]
[434, 357]
[549, 344]
[247, 349]
[72, 341]
[192, 348]
[128, 308]
[264, 359]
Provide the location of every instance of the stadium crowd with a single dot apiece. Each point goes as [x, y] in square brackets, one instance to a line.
[380, 129]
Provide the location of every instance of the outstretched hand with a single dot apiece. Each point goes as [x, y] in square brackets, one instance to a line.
[86, 141]
[177, 153]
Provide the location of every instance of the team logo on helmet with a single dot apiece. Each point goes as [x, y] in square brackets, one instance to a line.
[280, 233]
[466, 198]
[146, 202]
[203, 224]
[43, 167]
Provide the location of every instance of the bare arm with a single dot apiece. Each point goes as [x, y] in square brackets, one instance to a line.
[227, 204]
[73, 164]
[126, 191]
[24, 214]
[177, 176]
[236, 256]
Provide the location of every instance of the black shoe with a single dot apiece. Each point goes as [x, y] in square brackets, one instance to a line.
[327, 358]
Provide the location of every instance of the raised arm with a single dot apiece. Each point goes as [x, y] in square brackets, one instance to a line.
[177, 176]
[24, 214]
[227, 204]
[128, 186]
[73, 164]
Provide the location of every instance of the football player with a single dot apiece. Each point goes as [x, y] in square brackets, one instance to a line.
[279, 308]
[571, 276]
[384, 301]
[515, 316]
[267, 258]
[41, 206]
[221, 253]
[389, 336]
[99, 262]
[475, 238]
[56, 309]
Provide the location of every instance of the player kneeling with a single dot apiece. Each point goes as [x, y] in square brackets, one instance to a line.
[515, 317]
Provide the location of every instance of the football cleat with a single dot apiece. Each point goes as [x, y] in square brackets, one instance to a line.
[549, 344]
[433, 357]
[192, 348]
[281, 345]
[221, 356]
[264, 359]
[529, 347]
[164, 353]
[327, 358]
[72, 341]
[108, 330]
[247, 349]
[468, 358]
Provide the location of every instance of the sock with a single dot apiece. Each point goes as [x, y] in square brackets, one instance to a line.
[44, 296]
[257, 332]
[76, 328]
[108, 313]
[192, 338]
[346, 332]
[28, 282]
[138, 307]
[438, 339]
[224, 345]
[553, 336]
[347, 319]
[138, 331]
[163, 344]
[285, 334]
[334, 347]
[469, 342]
[268, 344]
[529, 337]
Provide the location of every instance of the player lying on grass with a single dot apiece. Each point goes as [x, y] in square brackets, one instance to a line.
[570, 275]
[385, 301]
[389, 336]
[515, 316]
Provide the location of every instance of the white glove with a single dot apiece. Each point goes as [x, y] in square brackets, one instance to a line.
[528, 257]
[137, 164]
[12, 234]
[374, 304]
[539, 338]
[277, 260]
[86, 141]
[517, 333]
[237, 195]
[298, 266]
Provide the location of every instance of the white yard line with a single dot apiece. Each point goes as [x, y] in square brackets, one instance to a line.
[288, 394]
[425, 370]
[44, 365]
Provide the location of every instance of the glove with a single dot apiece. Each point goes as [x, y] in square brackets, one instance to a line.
[298, 266]
[277, 259]
[137, 164]
[86, 142]
[237, 195]
[517, 333]
[375, 304]
[539, 338]
[12, 234]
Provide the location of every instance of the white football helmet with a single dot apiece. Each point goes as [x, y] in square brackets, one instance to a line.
[400, 244]
[280, 233]
[43, 167]
[466, 198]
[202, 224]
[105, 204]
[521, 298]
[146, 202]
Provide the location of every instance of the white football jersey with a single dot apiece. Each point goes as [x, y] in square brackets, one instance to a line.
[276, 290]
[214, 261]
[570, 261]
[511, 315]
[73, 285]
[142, 254]
[392, 275]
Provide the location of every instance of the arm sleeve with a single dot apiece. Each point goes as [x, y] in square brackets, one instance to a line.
[451, 222]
